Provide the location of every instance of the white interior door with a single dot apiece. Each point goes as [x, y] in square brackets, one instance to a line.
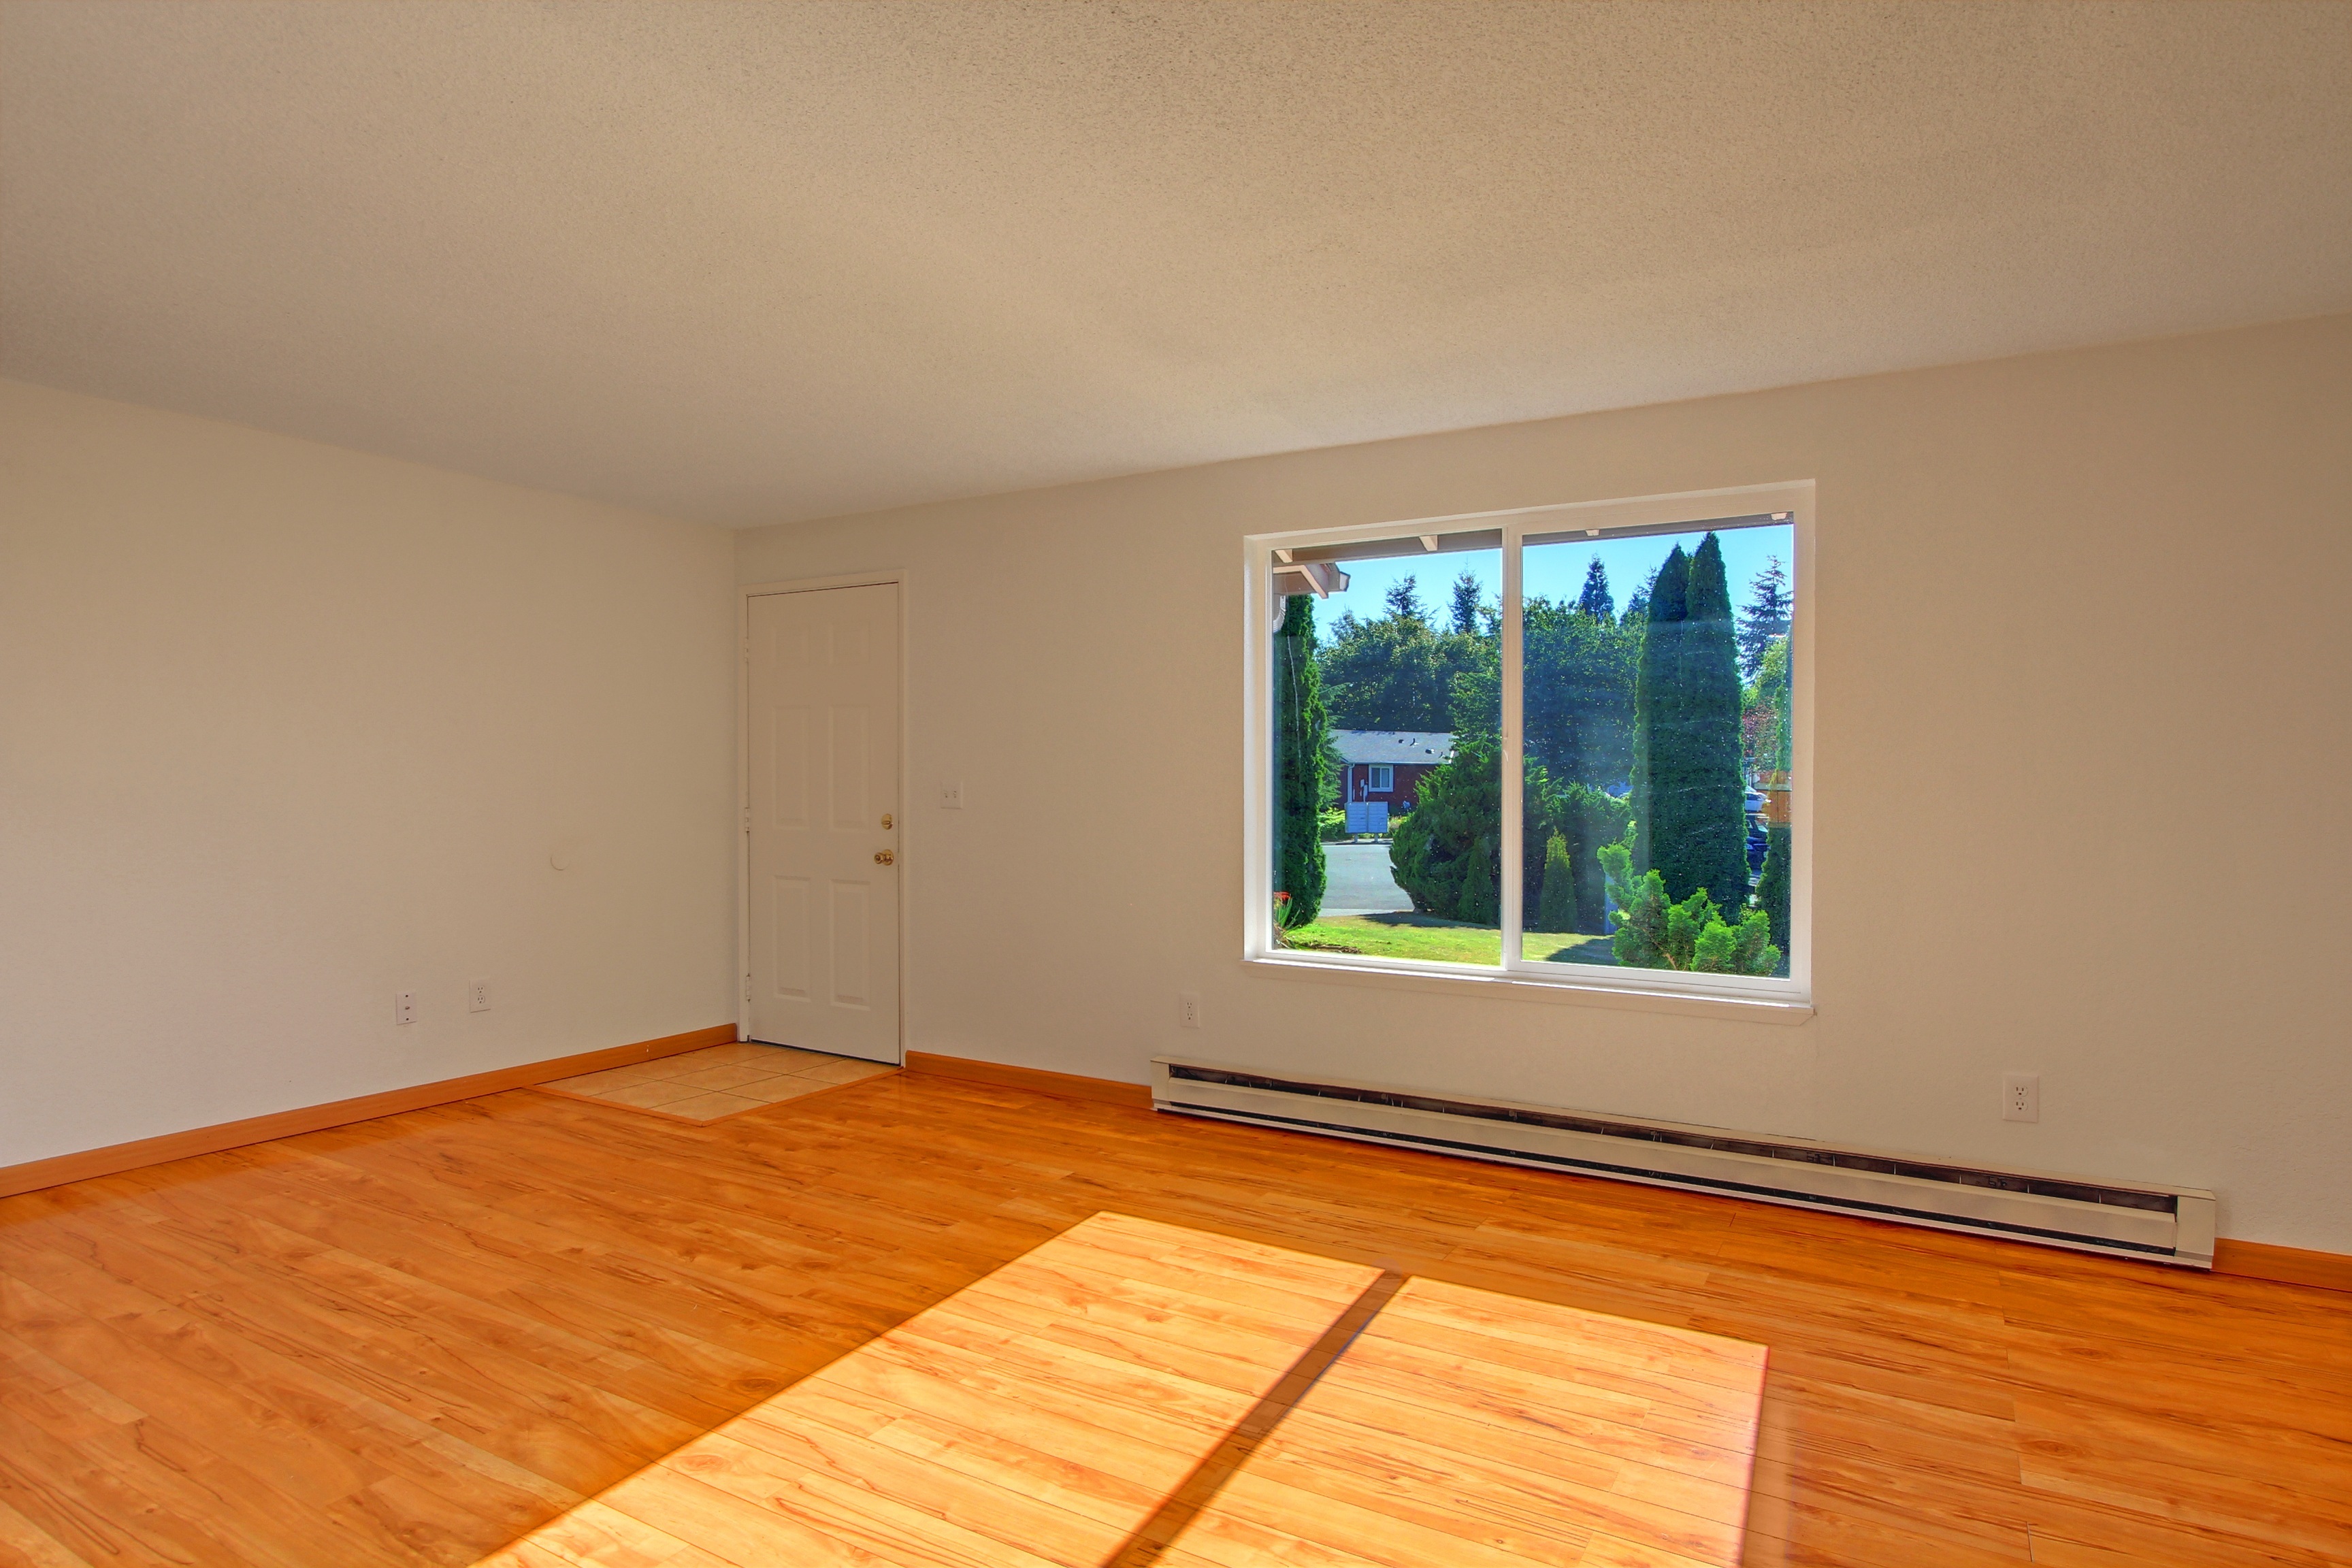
[823, 691]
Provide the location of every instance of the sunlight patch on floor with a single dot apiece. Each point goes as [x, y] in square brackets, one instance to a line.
[1134, 1393]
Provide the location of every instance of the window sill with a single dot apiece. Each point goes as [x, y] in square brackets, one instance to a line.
[1524, 988]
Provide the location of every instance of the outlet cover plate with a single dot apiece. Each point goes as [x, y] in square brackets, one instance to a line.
[2021, 1097]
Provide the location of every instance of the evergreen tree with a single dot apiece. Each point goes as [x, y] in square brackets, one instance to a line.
[1595, 601]
[1387, 674]
[1589, 819]
[1780, 675]
[1474, 674]
[1764, 736]
[1688, 794]
[1555, 909]
[1481, 903]
[1637, 608]
[1303, 749]
[1465, 605]
[1578, 694]
[1707, 815]
[1772, 887]
[1657, 707]
[1765, 618]
[1446, 854]
[1404, 602]
[1692, 935]
[1398, 672]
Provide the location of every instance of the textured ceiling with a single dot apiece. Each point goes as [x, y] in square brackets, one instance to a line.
[752, 263]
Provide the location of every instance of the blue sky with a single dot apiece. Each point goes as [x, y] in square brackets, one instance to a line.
[1556, 570]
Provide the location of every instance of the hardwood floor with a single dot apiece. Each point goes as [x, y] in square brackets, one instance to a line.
[420, 1339]
[1133, 1392]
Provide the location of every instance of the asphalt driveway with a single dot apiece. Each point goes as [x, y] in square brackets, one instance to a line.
[1360, 881]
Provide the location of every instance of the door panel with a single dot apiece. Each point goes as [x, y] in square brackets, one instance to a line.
[825, 777]
[791, 942]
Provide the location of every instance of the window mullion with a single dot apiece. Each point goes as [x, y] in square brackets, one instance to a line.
[1514, 785]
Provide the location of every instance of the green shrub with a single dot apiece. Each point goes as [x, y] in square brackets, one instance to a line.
[1445, 854]
[1692, 936]
[1555, 909]
[1588, 818]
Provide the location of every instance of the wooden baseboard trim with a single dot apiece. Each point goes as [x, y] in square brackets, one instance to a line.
[2288, 1265]
[115, 1158]
[1069, 1086]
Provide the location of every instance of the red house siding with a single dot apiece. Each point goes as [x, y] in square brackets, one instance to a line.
[1358, 783]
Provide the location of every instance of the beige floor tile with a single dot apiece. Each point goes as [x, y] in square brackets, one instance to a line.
[843, 1069]
[709, 1107]
[788, 1059]
[692, 1061]
[591, 1082]
[735, 1051]
[783, 1087]
[650, 1095]
[613, 1078]
[727, 1075]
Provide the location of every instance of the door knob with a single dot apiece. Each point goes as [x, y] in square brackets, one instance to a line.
[886, 822]
[884, 858]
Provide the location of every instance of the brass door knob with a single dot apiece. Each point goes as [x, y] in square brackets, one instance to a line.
[884, 858]
[886, 822]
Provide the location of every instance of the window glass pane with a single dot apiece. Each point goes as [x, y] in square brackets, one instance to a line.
[1387, 655]
[1656, 713]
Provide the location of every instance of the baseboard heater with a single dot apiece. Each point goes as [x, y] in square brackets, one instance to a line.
[2156, 1225]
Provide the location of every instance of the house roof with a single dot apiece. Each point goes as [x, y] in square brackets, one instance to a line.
[1392, 746]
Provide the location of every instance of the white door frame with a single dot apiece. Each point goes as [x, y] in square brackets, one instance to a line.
[743, 597]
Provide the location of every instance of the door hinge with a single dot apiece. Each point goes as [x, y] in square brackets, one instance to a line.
[747, 988]
[747, 819]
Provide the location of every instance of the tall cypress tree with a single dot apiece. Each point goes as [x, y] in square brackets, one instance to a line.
[1687, 789]
[1703, 832]
[1302, 743]
[1657, 706]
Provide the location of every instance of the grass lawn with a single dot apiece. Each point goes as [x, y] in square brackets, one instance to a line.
[1429, 940]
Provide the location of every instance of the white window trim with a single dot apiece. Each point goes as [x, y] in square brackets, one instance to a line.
[1372, 785]
[1764, 998]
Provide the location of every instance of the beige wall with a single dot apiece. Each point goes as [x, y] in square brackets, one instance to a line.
[2082, 768]
[285, 728]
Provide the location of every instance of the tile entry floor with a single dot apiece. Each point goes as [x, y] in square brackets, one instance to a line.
[718, 1080]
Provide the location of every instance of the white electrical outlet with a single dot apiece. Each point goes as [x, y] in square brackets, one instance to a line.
[1188, 1009]
[477, 996]
[951, 794]
[404, 1007]
[2021, 1097]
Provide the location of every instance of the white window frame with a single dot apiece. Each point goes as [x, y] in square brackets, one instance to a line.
[1767, 998]
[1374, 784]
